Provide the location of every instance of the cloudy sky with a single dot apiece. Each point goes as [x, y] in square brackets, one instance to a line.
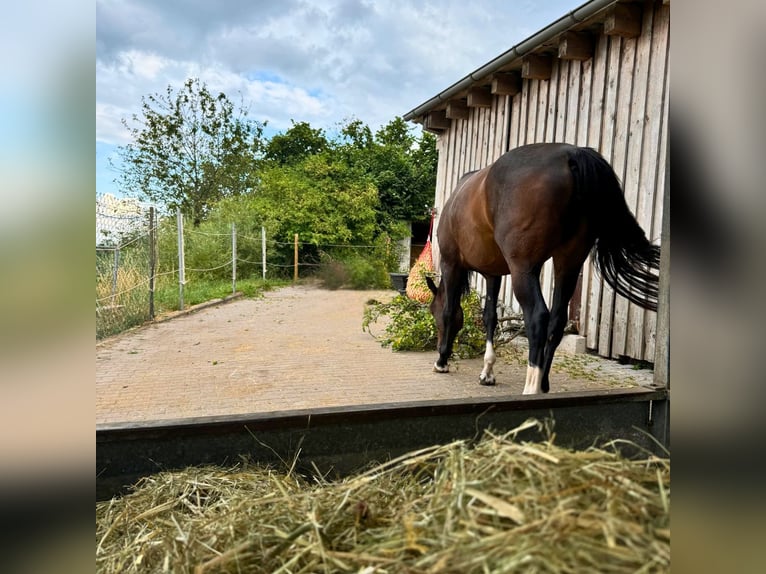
[320, 61]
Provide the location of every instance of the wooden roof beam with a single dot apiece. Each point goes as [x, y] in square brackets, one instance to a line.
[575, 46]
[457, 110]
[536, 67]
[479, 98]
[436, 121]
[506, 84]
[624, 20]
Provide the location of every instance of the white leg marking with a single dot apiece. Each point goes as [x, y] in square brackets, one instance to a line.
[534, 381]
[487, 377]
[438, 369]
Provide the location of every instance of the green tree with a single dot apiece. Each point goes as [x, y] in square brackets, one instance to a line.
[318, 198]
[189, 149]
[401, 165]
[300, 141]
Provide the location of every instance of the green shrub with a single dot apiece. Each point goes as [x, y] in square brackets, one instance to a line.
[366, 273]
[354, 271]
[410, 326]
[332, 274]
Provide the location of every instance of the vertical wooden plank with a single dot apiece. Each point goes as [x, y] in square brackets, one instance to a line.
[542, 110]
[578, 308]
[505, 120]
[474, 142]
[479, 132]
[652, 48]
[583, 112]
[514, 121]
[562, 71]
[493, 129]
[480, 127]
[489, 138]
[454, 151]
[482, 162]
[465, 150]
[561, 101]
[500, 126]
[554, 133]
[661, 357]
[620, 158]
[573, 101]
[552, 112]
[486, 126]
[469, 165]
[653, 336]
[443, 142]
[592, 284]
[637, 135]
[591, 291]
[514, 131]
[607, 150]
[446, 148]
[523, 112]
[569, 132]
[534, 87]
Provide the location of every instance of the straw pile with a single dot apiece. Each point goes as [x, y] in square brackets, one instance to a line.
[499, 505]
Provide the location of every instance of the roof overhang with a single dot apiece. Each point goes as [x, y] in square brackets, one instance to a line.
[499, 75]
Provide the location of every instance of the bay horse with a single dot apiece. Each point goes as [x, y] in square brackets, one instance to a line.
[537, 202]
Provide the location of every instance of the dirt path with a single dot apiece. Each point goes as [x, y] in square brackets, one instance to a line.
[298, 347]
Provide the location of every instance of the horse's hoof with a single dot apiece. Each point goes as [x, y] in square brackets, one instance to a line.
[487, 381]
[438, 369]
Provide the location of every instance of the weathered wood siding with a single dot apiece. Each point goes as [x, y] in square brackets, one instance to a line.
[615, 102]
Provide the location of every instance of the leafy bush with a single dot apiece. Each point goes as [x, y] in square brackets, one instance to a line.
[366, 273]
[332, 274]
[354, 271]
[410, 325]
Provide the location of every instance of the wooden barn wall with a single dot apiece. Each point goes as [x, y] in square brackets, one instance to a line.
[615, 102]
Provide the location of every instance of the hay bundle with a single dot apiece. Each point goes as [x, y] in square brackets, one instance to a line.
[417, 288]
[497, 506]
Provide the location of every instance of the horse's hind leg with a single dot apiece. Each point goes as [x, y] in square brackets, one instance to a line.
[566, 283]
[565, 287]
[526, 288]
[487, 377]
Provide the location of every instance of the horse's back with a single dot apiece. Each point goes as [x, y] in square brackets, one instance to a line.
[532, 168]
[520, 207]
[530, 190]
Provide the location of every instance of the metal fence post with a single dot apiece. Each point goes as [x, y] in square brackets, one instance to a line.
[233, 258]
[295, 272]
[152, 260]
[181, 265]
[115, 273]
[263, 251]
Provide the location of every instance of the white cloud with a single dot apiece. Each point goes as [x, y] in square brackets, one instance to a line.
[321, 61]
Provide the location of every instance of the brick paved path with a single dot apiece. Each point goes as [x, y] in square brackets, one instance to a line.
[297, 347]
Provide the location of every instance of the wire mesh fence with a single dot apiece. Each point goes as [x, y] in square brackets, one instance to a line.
[149, 262]
[123, 263]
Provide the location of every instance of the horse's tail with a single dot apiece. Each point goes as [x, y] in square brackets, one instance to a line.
[623, 254]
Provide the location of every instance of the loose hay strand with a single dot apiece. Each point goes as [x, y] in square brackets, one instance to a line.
[493, 505]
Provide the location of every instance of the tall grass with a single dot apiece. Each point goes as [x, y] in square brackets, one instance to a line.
[121, 290]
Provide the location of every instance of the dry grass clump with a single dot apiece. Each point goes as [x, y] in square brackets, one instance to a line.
[499, 505]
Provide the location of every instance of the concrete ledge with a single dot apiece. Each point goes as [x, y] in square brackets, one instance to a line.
[572, 344]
